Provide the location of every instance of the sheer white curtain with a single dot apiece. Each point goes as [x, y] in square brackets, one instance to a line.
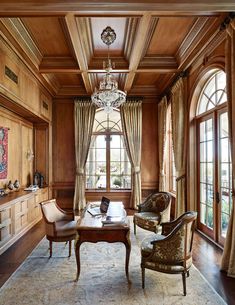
[131, 117]
[84, 115]
[228, 259]
[179, 123]
[162, 111]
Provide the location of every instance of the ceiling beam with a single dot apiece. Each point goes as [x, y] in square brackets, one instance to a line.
[137, 50]
[34, 7]
[51, 64]
[78, 50]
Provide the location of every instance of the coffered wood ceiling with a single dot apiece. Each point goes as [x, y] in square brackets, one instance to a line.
[156, 40]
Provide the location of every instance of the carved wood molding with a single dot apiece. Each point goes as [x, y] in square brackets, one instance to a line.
[34, 7]
[17, 29]
[132, 24]
[202, 41]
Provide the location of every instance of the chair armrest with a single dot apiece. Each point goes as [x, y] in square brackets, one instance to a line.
[68, 216]
[167, 227]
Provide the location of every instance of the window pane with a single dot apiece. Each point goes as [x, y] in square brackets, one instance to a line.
[210, 196]
[209, 151]
[224, 224]
[101, 181]
[203, 152]
[209, 130]
[115, 155]
[210, 173]
[203, 190]
[203, 213]
[115, 141]
[100, 154]
[126, 168]
[100, 141]
[224, 150]
[202, 131]
[203, 167]
[224, 180]
[210, 222]
[203, 104]
[224, 125]
[225, 200]
[115, 168]
[210, 87]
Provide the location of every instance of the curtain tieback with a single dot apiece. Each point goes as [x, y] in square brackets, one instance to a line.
[180, 177]
[80, 172]
[136, 170]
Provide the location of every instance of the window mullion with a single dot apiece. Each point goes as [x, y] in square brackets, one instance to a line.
[108, 139]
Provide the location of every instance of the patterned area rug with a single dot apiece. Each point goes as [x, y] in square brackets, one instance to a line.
[40, 280]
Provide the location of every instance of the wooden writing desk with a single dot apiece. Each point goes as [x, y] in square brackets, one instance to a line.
[90, 229]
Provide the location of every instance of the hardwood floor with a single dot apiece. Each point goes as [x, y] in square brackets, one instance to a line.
[206, 257]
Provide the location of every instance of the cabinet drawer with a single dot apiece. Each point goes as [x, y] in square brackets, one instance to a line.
[5, 231]
[5, 214]
[21, 206]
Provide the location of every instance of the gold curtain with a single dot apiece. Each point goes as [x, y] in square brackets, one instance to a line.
[162, 110]
[179, 123]
[131, 117]
[228, 258]
[84, 115]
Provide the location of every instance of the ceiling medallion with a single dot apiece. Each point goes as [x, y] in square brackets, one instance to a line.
[108, 96]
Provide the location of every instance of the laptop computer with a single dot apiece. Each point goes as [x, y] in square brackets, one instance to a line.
[102, 209]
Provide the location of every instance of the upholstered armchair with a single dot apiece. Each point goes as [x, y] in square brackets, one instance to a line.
[153, 211]
[170, 252]
[60, 226]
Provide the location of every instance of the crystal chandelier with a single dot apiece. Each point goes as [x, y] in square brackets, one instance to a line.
[108, 96]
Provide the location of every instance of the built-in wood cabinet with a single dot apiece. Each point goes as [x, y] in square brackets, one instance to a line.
[19, 211]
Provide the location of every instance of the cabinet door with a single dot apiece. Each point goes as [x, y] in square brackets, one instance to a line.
[21, 215]
[5, 225]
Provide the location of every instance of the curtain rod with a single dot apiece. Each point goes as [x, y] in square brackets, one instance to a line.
[167, 91]
[227, 21]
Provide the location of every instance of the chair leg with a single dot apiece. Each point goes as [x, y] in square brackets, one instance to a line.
[50, 247]
[134, 226]
[70, 246]
[143, 277]
[184, 282]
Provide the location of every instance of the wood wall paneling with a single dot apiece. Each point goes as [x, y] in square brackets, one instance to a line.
[41, 150]
[63, 141]
[20, 139]
[149, 160]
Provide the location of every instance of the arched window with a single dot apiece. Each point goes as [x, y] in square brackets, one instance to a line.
[214, 160]
[108, 165]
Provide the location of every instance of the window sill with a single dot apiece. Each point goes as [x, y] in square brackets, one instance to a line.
[110, 191]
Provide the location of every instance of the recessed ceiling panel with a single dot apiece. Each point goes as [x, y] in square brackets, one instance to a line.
[48, 35]
[69, 79]
[97, 27]
[169, 34]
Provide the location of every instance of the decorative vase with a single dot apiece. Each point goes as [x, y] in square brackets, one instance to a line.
[10, 186]
[17, 185]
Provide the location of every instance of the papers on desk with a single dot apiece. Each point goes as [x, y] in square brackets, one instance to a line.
[94, 211]
[116, 215]
[113, 220]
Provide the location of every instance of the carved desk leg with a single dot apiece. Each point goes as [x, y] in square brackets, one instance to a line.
[77, 254]
[128, 251]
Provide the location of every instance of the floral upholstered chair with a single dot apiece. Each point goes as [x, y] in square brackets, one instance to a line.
[153, 211]
[60, 225]
[170, 252]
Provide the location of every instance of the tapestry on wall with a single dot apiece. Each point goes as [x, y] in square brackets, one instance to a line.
[3, 152]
